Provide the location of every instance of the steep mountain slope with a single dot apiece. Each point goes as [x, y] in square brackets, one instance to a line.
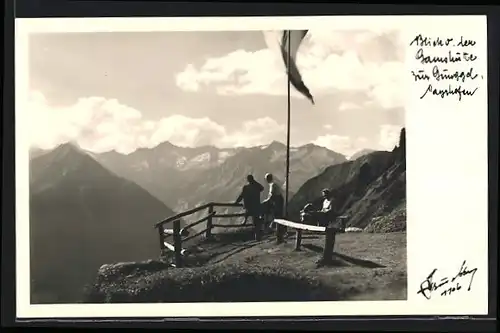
[360, 153]
[164, 169]
[35, 152]
[185, 177]
[371, 190]
[83, 216]
[386, 197]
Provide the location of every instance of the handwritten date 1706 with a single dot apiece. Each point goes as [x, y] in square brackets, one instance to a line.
[446, 285]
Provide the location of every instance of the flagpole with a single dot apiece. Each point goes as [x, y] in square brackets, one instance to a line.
[288, 128]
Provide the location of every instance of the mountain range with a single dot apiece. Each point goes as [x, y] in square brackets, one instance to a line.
[89, 209]
[83, 216]
[183, 178]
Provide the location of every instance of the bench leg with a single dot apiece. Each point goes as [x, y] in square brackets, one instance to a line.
[298, 239]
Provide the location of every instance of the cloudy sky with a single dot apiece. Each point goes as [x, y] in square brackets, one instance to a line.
[123, 90]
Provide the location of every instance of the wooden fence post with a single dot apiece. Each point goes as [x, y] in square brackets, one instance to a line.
[280, 231]
[298, 239]
[208, 234]
[257, 228]
[177, 243]
[162, 241]
[330, 234]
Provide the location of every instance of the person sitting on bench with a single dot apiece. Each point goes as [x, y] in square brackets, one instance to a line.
[326, 214]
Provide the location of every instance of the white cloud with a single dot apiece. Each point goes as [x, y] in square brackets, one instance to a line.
[188, 79]
[389, 136]
[342, 144]
[256, 132]
[184, 131]
[329, 61]
[344, 106]
[98, 124]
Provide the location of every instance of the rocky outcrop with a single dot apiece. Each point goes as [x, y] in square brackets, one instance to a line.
[370, 190]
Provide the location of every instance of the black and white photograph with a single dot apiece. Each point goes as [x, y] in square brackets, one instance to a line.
[252, 164]
[189, 130]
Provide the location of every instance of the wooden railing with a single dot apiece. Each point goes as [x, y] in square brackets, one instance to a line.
[330, 233]
[181, 235]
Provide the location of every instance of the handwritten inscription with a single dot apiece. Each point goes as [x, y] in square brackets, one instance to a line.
[446, 66]
[446, 286]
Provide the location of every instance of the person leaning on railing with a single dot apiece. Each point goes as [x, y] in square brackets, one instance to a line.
[250, 195]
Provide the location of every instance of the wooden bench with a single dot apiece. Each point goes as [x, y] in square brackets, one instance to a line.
[329, 232]
[339, 223]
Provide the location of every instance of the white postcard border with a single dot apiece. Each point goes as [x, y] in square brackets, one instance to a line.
[438, 235]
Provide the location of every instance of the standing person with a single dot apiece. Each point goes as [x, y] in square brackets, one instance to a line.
[274, 202]
[250, 194]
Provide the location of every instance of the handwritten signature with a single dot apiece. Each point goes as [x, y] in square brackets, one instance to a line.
[449, 91]
[446, 286]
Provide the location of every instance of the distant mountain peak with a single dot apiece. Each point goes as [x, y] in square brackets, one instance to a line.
[84, 215]
[275, 145]
[165, 144]
[34, 152]
[68, 149]
[360, 153]
[311, 146]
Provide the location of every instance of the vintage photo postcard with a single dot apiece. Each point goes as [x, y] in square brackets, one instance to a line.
[292, 166]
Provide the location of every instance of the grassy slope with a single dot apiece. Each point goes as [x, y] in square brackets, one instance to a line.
[367, 267]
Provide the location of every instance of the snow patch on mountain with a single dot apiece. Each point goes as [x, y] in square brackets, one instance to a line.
[181, 161]
[205, 157]
[223, 155]
[143, 165]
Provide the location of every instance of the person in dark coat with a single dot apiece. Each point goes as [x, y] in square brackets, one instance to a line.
[250, 195]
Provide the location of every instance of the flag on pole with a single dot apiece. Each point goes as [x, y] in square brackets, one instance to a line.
[289, 45]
